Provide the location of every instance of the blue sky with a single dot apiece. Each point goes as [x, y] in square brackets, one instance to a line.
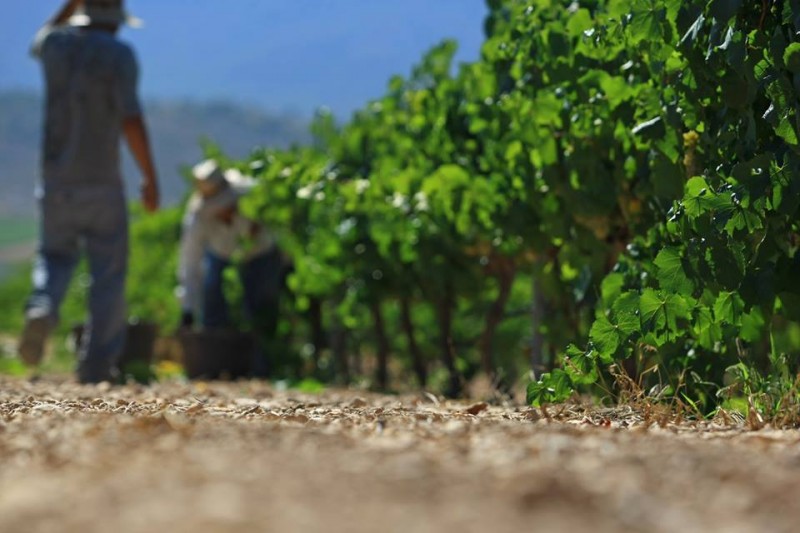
[282, 55]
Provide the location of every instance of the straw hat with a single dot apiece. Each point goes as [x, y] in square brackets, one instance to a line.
[110, 12]
[218, 189]
[209, 179]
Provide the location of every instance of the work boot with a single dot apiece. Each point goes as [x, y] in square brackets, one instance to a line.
[33, 339]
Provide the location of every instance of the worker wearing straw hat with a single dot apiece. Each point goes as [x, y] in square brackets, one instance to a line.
[91, 103]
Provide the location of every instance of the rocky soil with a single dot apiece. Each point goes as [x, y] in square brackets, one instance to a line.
[246, 457]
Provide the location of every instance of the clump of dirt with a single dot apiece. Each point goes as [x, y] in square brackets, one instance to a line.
[246, 457]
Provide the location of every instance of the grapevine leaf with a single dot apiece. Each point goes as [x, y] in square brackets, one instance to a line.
[627, 323]
[661, 311]
[646, 16]
[791, 58]
[743, 219]
[605, 337]
[706, 329]
[651, 306]
[752, 329]
[553, 387]
[781, 94]
[728, 307]
[580, 365]
[617, 91]
[698, 196]
[671, 274]
[626, 311]
[579, 22]
[611, 287]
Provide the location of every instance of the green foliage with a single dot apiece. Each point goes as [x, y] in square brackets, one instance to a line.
[716, 93]
[153, 266]
[12, 366]
[13, 292]
[638, 159]
[641, 156]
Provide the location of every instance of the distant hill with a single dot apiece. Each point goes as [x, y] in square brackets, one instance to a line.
[175, 129]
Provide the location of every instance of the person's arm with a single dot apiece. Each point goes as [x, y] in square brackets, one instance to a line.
[134, 128]
[136, 135]
[66, 11]
[59, 19]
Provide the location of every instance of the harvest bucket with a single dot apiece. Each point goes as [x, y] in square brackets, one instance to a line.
[139, 343]
[217, 354]
[137, 355]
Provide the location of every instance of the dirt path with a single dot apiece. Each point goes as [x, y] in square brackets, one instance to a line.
[244, 457]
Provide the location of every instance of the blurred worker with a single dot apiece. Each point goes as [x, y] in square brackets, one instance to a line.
[216, 235]
[91, 102]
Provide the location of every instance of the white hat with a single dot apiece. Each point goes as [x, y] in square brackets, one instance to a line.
[219, 189]
[208, 178]
[103, 12]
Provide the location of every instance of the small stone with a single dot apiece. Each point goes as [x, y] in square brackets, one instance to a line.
[477, 408]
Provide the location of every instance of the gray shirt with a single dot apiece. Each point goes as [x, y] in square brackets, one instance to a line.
[91, 80]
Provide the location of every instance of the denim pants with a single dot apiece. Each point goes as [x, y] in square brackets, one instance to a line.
[261, 281]
[93, 220]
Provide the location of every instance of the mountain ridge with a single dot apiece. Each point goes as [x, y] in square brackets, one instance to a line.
[176, 127]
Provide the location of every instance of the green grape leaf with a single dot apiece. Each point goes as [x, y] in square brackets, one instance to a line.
[742, 218]
[552, 387]
[646, 17]
[580, 365]
[661, 311]
[707, 330]
[617, 91]
[626, 311]
[791, 58]
[611, 287]
[580, 21]
[671, 274]
[698, 198]
[781, 112]
[728, 307]
[753, 323]
[605, 337]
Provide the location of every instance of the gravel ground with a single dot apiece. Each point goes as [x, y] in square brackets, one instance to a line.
[245, 457]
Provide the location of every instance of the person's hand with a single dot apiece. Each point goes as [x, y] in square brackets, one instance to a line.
[150, 196]
[255, 227]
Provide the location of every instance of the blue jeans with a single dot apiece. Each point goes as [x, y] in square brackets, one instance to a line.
[260, 278]
[93, 220]
[261, 282]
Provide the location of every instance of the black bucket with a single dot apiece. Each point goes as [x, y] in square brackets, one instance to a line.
[217, 354]
[137, 355]
[139, 344]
